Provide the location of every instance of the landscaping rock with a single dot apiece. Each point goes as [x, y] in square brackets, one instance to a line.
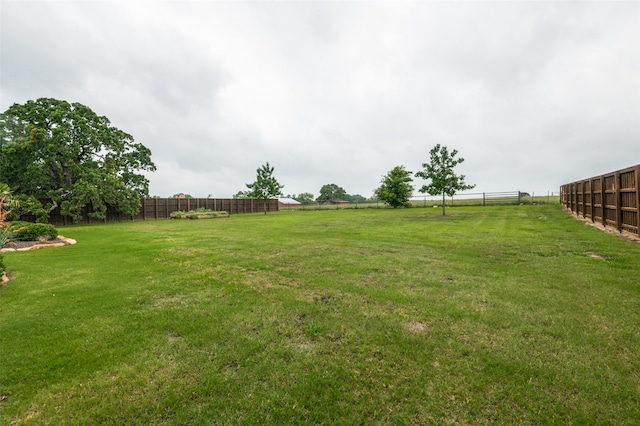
[61, 241]
[67, 241]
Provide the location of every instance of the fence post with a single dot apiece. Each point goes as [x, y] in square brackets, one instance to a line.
[603, 200]
[592, 200]
[636, 181]
[583, 188]
[618, 197]
[483, 199]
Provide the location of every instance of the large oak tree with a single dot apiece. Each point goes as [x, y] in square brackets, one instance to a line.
[331, 192]
[65, 152]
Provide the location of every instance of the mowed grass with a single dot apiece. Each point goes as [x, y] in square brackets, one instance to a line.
[501, 315]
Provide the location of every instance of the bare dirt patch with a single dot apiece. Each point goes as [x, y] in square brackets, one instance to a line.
[416, 326]
[594, 255]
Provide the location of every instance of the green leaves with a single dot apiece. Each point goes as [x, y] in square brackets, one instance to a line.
[396, 188]
[332, 192]
[440, 172]
[304, 198]
[64, 151]
[266, 186]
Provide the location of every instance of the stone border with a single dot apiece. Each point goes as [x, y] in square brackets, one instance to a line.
[64, 242]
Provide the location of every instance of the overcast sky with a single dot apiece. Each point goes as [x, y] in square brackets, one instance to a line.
[532, 94]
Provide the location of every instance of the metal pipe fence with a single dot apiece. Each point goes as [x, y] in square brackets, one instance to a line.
[458, 200]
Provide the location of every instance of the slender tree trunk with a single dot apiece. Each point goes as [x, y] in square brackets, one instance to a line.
[443, 204]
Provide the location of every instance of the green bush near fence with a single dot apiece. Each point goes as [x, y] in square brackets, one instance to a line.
[27, 231]
[489, 315]
[200, 213]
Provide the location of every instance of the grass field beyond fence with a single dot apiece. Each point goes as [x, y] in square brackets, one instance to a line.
[489, 315]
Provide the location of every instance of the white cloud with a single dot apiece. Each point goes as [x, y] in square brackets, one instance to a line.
[532, 94]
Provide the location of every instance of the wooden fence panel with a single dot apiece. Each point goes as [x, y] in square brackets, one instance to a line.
[629, 200]
[161, 208]
[588, 199]
[610, 204]
[612, 199]
[598, 209]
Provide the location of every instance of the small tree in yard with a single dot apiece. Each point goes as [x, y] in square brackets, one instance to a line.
[440, 172]
[266, 186]
[396, 188]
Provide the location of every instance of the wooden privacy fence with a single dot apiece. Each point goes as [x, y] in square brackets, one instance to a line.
[161, 208]
[611, 199]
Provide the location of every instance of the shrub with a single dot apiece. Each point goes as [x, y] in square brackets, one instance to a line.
[34, 232]
[200, 212]
[2, 267]
[4, 232]
[5, 235]
[28, 205]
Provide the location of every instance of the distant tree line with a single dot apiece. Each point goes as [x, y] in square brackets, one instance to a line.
[66, 153]
[329, 193]
[396, 187]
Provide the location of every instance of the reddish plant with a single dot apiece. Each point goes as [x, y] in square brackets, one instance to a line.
[3, 211]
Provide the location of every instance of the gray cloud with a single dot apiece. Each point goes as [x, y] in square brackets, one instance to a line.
[532, 94]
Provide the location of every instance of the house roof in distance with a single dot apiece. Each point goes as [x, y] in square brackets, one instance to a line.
[287, 200]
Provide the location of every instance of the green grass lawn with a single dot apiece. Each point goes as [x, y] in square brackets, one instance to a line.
[507, 315]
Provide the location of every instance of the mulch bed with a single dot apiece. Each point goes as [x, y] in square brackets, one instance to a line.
[26, 244]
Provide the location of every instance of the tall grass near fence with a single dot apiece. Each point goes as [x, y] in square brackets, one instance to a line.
[508, 315]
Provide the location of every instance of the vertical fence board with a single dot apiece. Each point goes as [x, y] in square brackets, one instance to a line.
[637, 193]
[617, 190]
